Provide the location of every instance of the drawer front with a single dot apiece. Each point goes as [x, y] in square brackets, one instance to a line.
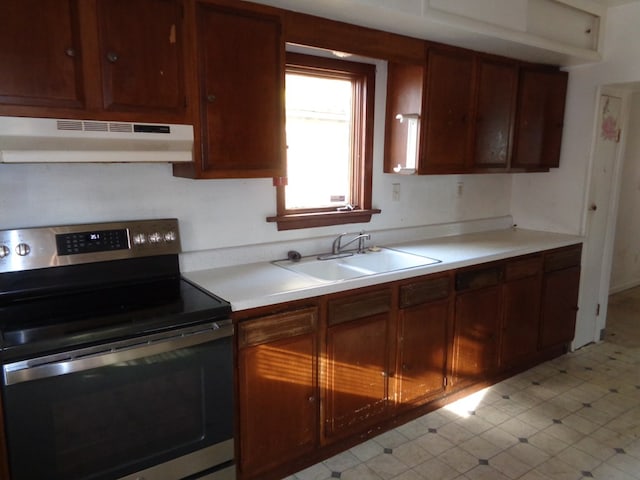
[359, 306]
[523, 267]
[479, 278]
[274, 327]
[561, 259]
[424, 291]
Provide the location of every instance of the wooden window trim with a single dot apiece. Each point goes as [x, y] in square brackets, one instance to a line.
[364, 101]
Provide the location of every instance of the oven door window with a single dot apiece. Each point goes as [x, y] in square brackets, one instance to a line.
[110, 421]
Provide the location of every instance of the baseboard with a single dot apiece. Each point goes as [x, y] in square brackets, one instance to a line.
[624, 286]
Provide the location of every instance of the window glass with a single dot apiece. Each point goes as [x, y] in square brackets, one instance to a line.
[319, 130]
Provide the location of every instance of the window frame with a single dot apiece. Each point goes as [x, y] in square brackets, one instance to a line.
[362, 76]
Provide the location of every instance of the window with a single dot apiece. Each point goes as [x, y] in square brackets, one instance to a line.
[329, 131]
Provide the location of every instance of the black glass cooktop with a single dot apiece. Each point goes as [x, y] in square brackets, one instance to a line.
[77, 318]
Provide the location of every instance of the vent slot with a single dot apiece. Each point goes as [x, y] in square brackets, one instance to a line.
[69, 125]
[121, 127]
[96, 127]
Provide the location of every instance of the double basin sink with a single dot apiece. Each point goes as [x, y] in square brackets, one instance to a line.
[372, 262]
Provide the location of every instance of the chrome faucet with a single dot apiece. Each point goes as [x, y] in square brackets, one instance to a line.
[337, 247]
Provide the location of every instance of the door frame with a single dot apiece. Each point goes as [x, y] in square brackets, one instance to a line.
[612, 214]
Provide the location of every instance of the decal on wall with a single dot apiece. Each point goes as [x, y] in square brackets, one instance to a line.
[609, 130]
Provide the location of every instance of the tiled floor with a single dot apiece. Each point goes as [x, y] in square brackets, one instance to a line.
[577, 416]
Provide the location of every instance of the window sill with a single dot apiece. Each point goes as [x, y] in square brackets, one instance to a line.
[322, 219]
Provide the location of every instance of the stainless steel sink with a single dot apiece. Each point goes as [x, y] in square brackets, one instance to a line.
[372, 262]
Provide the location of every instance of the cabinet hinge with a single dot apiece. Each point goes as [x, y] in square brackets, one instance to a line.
[598, 310]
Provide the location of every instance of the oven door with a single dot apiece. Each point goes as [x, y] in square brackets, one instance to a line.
[159, 405]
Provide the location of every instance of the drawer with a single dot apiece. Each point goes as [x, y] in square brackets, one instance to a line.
[278, 326]
[424, 291]
[479, 278]
[563, 258]
[523, 267]
[359, 306]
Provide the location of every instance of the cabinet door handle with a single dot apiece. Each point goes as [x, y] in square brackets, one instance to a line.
[70, 52]
[211, 98]
[112, 57]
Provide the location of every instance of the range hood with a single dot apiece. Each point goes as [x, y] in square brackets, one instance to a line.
[50, 140]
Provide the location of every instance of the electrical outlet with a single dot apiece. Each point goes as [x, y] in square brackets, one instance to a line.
[459, 189]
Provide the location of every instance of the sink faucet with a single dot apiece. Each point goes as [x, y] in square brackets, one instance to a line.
[337, 247]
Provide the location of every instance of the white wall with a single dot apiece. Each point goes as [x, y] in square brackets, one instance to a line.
[554, 201]
[625, 271]
[215, 214]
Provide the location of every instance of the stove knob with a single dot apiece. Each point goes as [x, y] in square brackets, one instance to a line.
[170, 236]
[155, 237]
[4, 251]
[139, 239]
[23, 249]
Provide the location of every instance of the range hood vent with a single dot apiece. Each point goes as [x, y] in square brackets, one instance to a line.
[49, 140]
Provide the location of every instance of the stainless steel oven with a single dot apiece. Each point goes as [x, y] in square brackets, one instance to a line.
[114, 366]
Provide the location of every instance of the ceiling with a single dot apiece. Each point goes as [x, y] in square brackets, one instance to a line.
[614, 3]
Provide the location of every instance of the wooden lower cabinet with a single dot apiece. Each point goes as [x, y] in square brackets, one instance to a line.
[329, 372]
[356, 388]
[277, 401]
[559, 304]
[521, 311]
[476, 325]
[423, 338]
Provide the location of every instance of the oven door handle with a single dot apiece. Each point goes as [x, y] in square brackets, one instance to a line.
[111, 354]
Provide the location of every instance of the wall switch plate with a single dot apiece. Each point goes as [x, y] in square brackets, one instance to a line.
[395, 196]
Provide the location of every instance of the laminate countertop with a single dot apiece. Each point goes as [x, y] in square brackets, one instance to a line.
[261, 284]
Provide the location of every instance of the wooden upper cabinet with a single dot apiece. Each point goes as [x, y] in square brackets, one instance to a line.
[141, 55]
[241, 67]
[405, 88]
[540, 117]
[477, 113]
[40, 54]
[93, 59]
[448, 111]
[497, 82]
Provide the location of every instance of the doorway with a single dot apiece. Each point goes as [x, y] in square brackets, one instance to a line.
[612, 238]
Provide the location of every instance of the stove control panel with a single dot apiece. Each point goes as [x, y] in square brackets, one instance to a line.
[42, 247]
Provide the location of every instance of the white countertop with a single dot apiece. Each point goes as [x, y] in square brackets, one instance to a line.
[260, 284]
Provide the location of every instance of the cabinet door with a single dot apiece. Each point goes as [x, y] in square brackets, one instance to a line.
[278, 408]
[476, 335]
[559, 307]
[448, 111]
[497, 85]
[521, 311]
[422, 352]
[140, 44]
[241, 60]
[357, 362]
[405, 85]
[538, 136]
[40, 54]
